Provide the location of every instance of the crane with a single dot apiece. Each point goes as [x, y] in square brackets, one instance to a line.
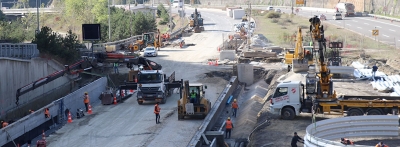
[324, 84]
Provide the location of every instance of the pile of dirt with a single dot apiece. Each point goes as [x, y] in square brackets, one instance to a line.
[389, 66]
[226, 74]
[271, 79]
[259, 73]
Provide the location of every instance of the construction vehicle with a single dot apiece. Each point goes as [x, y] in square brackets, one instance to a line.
[158, 40]
[302, 58]
[196, 22]
[200, 108]
[146, 40]
[293, 97]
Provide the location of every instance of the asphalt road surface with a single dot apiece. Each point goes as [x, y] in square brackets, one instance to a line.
[130, 124]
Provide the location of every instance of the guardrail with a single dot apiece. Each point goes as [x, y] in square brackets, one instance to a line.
[384, 17]
[133, 38]
[213, 116]
[323, 132]
[19, 50]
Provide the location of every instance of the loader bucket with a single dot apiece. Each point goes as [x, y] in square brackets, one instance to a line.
[299, 65]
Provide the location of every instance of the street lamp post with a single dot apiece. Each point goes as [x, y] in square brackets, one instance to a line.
[109, 23]
[37, 9]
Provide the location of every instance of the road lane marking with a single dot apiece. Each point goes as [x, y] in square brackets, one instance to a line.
[355, 21]
[378, 27]
[366, 23]
[348, 25]
[378, 21]
[359, 27]
[392, 30]
[385, 35]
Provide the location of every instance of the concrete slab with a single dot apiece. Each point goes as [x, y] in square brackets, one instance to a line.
[227, 54]
[245, 73]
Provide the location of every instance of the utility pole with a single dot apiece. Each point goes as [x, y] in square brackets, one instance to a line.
[130, 18]
[170, 17]
[37, 9]
[109, 22]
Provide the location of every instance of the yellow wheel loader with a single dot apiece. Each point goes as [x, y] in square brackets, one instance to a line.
[193, 102]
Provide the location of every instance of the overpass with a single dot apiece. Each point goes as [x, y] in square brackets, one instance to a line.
[28, 10]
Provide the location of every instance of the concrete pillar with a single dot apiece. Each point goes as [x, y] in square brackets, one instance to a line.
[245, 73]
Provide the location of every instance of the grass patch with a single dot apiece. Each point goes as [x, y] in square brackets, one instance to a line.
[282, 31]
[176, 19]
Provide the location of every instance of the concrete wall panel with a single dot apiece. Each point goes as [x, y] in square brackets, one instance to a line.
[71, 101]
[17, 73]
[227, 54]
[245, 73]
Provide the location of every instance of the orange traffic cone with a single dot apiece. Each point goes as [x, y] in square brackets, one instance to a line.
[115, 100]
[69, 117]
[216, 63]
[43, 136]
[122, 93]
[90, 109]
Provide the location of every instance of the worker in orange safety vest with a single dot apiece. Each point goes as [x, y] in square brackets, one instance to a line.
[41, 143]
[235, 106]
[157, 110]
[228, 128]
[4, 124]
[86, 100]
[346, 141]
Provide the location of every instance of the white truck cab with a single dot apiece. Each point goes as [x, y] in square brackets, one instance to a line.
[151, 86]
[287, 98]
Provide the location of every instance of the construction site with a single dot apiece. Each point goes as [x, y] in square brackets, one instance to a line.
[194, 76]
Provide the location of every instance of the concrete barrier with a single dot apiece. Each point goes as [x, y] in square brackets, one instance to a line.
[213, 116]
[31, 122]
[324, 132]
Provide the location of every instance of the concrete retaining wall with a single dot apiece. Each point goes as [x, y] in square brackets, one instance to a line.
[57, 108]
[245, 73]
[227, 54]
[17, 73]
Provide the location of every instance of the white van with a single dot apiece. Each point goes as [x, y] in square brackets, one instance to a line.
[337, 16]
[177, 3]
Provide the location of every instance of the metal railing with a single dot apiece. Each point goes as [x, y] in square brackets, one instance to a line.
[19, 50]
[323, 132]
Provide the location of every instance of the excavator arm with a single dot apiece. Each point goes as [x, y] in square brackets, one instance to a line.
[324, 85]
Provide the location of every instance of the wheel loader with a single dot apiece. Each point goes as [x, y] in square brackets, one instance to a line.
[146, 40]
[199, 108]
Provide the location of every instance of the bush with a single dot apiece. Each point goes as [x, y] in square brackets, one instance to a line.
[274, 20]
[273, 15]
[283, 28]
[162, 22]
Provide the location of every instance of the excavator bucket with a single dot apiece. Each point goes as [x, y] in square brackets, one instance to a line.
[299, 65]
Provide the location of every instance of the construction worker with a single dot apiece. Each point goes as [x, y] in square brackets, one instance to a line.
[157, 110]
[193, 96]
[228, 128]
[4, 124]
[296, 139]
[374, 70]
[46, 113]
[235, 106]
[346, 141]
[31, 111]
[380, 144]
[41, 143]
[116, 68]
[86, 100]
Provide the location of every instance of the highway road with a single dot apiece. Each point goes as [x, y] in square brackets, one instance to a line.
[130, 124]
[388, 31]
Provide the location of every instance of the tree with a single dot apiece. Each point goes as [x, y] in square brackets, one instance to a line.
[100, 11]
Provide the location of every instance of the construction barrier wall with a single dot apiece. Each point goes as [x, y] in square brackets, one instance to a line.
[32, 125]
[214, 114]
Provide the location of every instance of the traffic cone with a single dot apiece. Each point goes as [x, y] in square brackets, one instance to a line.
[131, 90]
[90, 109]
[115, 100]
[123, 93]
[43, 136]
[216, 63]
[69, 117]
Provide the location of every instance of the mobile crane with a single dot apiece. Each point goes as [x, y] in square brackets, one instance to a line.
[302, 57]
[293, 97]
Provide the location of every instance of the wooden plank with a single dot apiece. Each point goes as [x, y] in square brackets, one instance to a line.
[259, 54]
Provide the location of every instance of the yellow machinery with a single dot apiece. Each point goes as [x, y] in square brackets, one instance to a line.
[199, 108]
[196, 22]
[301, 58]
[158, 40]
[324, 85]
[146, 40]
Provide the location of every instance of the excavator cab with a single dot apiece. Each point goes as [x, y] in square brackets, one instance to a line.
[200, 107]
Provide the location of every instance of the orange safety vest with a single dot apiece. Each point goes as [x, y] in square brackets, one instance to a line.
[235, 105]
[86, 99]
[5, 124]
[157, 109]
[384, 145]
[228, 124]
[346, 140]
[46, 112]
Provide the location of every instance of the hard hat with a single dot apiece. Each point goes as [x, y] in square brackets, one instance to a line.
[229, 118]
[234, 100]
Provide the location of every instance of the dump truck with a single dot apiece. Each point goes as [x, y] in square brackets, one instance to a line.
[198, 108]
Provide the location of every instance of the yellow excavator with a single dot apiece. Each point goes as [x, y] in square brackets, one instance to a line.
[158, 40]
[146, 40]
[301, 58]
[193, 102]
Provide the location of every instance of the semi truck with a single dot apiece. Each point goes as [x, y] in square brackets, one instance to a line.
[346, 8]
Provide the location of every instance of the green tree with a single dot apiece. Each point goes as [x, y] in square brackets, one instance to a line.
[100, 11]
[14, 31]
[76, 9]
[2, 16]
